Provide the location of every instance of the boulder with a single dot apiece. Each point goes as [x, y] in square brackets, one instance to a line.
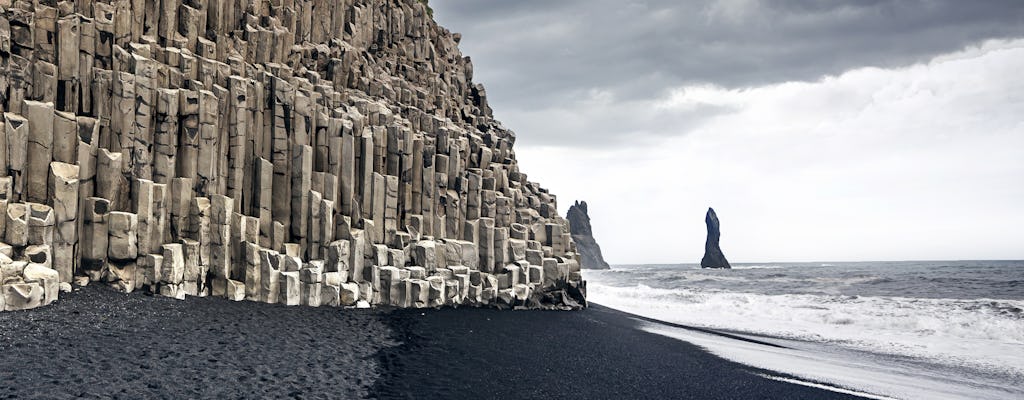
[330, 296]
[12, 271]
[22, 296]
[348, 294]
[121, 276]
[48, 278]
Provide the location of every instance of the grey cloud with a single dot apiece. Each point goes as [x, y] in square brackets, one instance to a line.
[535, 55]
[631, 124]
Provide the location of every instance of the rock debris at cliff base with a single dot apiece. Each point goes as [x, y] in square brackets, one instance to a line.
[300, 152]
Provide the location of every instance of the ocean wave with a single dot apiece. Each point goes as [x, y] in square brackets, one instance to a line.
[980, 333]
[757, 266]
[726, 279]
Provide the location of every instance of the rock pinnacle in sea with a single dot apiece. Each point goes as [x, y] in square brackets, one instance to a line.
[713, 257]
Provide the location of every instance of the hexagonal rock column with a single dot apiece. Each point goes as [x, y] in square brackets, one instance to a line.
[63, 183]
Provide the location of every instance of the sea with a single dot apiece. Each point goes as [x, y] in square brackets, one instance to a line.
[908, 329]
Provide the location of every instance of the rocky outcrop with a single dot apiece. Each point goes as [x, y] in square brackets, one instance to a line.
[583, 236]
[713, 257]
[308, 152]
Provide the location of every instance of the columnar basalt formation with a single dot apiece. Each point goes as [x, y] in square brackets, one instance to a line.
[309, 152]
[583, 236]
[713, 257]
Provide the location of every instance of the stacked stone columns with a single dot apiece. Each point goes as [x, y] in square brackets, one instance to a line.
[299, 152]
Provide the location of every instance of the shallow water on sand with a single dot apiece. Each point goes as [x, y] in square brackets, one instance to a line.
[963, 316]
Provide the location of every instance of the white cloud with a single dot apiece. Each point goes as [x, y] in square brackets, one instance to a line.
[925, 161]
[693, 97]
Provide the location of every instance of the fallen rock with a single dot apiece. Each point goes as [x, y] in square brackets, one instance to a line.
[48, 278]
[22, 296]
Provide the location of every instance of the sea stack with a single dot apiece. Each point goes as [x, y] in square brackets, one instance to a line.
[713, 257]
[586, 246]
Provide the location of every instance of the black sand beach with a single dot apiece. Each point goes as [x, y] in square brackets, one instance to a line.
[96, 343]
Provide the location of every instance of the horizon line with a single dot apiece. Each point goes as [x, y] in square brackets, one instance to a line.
[813, 262]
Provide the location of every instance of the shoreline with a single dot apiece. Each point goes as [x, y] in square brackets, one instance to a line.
[937, 330]
[113, 345]
[595, 353]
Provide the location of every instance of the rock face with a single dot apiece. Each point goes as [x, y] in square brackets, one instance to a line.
[305, 152]
[583, 235]
[713, 257]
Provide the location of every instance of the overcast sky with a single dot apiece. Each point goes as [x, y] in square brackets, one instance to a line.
[819, 131]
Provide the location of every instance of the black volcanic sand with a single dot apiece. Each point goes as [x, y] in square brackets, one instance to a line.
[598, 353]
[97, 343]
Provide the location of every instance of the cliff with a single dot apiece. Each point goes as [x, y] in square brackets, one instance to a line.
[713, 256]
[583, 235]
[306, 152]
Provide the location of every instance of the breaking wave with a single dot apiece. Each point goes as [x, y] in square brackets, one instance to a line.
[985, 334]
[757, 266]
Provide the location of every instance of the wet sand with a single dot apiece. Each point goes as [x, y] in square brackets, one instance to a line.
[598, 353]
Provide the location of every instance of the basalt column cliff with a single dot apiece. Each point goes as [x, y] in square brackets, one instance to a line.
[306, 152]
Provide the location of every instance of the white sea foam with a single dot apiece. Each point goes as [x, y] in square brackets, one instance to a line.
[985, 335]
[848, 371]
[823, 283]
[757, 266]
